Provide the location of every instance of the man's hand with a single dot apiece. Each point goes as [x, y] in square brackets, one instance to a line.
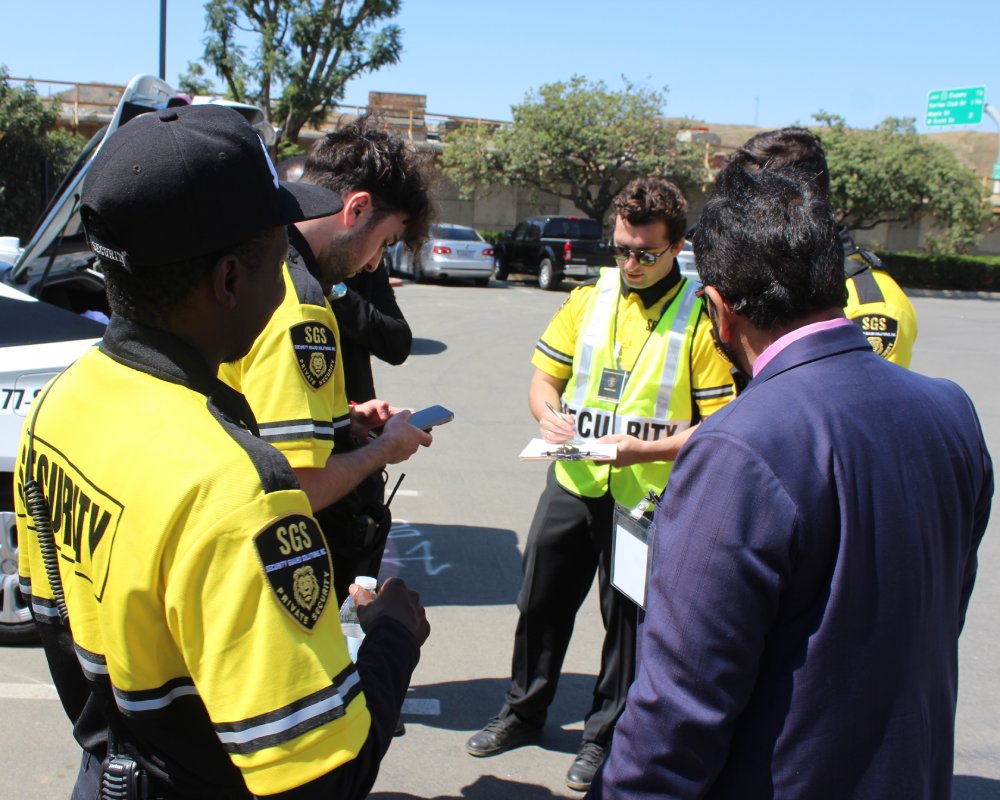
[368, 415]
[399, 439]
[396, 601]
[631, 449]
[556, 428]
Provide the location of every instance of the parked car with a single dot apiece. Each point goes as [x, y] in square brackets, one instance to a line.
[451, 251]
[552, 248]
[685, 258]
[53, 308]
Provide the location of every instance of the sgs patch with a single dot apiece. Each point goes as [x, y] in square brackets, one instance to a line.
[880, 331]
[297, 566]
[315, 352]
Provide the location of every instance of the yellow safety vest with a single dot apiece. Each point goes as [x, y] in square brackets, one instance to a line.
[655, 399]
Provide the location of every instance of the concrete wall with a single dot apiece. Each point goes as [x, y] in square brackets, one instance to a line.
[501, 209]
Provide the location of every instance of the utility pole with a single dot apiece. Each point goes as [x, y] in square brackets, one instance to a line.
[163, 40]
[995, 191]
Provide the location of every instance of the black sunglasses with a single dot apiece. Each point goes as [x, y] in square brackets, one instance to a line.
[645, 258]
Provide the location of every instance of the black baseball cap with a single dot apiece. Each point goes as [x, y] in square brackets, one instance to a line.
[186, 182]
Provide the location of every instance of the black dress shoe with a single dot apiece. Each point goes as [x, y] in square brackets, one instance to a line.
[589, 758]
[501, 734]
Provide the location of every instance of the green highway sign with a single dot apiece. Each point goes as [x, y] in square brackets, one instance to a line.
[955, 106]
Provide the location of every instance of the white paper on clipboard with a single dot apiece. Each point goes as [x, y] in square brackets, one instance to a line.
[630, 554]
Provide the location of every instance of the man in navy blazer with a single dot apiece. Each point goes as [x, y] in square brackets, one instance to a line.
[815, 552]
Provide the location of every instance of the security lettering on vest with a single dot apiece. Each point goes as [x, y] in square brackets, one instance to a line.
[592, 424]
[83, 516]
[648, 430]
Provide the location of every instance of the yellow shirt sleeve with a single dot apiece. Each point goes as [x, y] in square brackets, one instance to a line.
[297, 410]
[260, 634]
[890, 325]
[555, 348]
[711, 380]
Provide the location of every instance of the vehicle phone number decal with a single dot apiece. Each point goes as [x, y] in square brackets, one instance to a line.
[17, 401]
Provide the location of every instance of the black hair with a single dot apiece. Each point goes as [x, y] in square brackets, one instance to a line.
[767, 241]
[360, 157]
[787, 148]
[644, 201]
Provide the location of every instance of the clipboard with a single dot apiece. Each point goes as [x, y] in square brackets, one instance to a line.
[631, 549]
[586, 450]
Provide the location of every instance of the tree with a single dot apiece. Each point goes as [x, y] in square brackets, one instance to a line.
[34, 155]
[891, 174]
[307, 51]
[575, 140]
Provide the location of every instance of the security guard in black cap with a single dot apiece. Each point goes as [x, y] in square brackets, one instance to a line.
[180, 585]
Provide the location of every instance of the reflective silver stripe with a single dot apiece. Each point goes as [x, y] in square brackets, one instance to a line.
[713, 391]
[43, 610]
[602, 309]
[155, 703]
[675, 346]
[24, 584]
[92, 663]
[554, 354]
[340, 422]
[296, 718]
[308, 430]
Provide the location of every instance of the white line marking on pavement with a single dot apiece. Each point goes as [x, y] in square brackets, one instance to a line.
[423, 706]
[28, 691]
[408, 493]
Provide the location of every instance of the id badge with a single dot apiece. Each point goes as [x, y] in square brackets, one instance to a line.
[630, 554]
[612, 383]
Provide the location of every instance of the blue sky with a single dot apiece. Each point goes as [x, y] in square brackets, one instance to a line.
[769, 64]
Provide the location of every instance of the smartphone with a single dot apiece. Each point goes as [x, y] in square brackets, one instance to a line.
[431, 416]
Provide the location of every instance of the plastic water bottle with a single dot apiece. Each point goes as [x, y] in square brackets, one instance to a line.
[349, 622]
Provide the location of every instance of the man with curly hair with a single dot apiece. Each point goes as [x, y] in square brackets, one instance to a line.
[630, 359]
[293, 376]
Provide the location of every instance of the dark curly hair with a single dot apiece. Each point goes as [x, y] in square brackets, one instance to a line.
[647, 200]
[360, 157]
[787, 148]
[767, 241]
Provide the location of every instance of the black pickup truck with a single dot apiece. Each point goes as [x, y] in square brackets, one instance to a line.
[552, 248]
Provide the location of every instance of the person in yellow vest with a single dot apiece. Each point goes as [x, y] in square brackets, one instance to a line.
[293, 376]
[629, 359]
[179, 583]
[875, 302]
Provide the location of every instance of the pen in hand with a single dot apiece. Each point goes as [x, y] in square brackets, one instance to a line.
[575, 439]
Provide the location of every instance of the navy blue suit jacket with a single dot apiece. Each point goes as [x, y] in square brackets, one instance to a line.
[812, 566]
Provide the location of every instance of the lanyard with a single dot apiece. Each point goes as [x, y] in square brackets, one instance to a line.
[617, 350]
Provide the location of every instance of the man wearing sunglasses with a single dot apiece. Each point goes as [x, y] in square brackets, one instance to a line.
[813, 564]
[630, 360]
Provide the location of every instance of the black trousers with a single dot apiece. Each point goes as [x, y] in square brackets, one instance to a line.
[569, 540]
[356, 548]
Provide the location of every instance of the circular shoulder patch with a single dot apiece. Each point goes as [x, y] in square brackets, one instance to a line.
[297, 566]
[315, 349]
[880, 331]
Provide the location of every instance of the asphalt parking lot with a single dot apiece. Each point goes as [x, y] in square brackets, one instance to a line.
[462, 513]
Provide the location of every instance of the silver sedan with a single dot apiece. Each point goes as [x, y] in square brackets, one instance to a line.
[451, 251]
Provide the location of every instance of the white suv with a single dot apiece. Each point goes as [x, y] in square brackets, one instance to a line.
[53, 308]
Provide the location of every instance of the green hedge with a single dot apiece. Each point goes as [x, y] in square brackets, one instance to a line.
[490, 236]
[962, 273]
